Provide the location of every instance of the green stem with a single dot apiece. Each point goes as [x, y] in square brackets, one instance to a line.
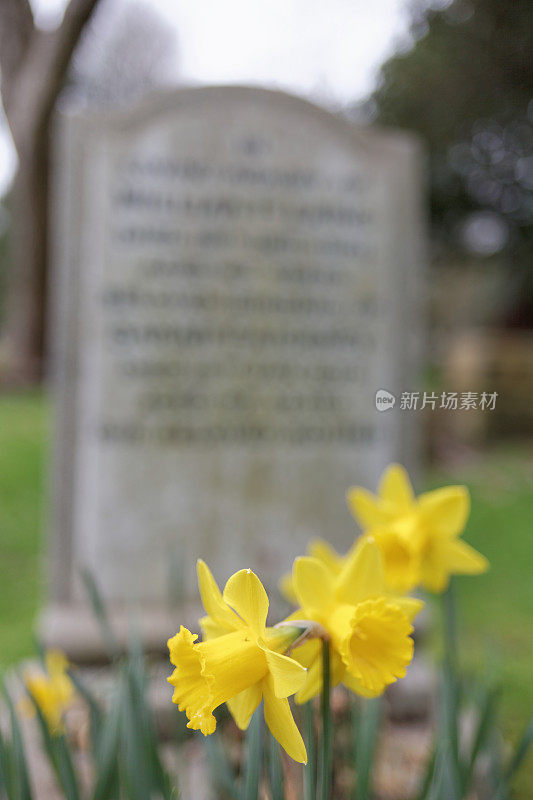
[254, 756]
[327, 731]
[276, 770]
[450, 708]
[450, 626]
[310, 744]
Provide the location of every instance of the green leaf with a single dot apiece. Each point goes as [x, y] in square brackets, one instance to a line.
[325, 774]
[487, 713]
[500, 786]
[253, 756]
[449, 779]
[427, 781]
[56, 747]
[106, 756]
[6, 778]
[146, 728]
[95, 712]
[222, 774]
[100, 611]
[66, 771]
[366, 734]
[275, 769]
[19, 770]
[448, 732]
[310, 770]
[520, 751]
[136, 771]
[48, 742]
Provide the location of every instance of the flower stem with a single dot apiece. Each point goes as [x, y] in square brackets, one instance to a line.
[450, 700]
[450, 627]
[310, 744]
[327, 731]
[254, 756]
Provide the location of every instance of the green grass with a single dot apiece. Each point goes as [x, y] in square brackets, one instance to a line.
[23, 429]
[496, 608]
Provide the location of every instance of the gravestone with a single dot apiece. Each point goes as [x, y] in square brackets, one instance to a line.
[236, 274]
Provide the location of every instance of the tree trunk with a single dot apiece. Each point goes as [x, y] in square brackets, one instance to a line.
[33, 67]
[26, 302]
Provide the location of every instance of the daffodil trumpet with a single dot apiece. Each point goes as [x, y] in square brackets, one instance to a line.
[240, 661]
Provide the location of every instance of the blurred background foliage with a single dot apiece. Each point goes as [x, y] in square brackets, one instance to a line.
[466, 87]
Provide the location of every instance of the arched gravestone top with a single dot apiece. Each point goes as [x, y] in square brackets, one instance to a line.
[236, 274]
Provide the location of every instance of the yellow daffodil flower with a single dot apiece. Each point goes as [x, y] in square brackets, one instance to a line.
[418, 536]
[324, 552]
[369, 629]
[239, 662]
[52, 691]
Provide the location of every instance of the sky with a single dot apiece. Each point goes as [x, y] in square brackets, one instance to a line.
[315, 48]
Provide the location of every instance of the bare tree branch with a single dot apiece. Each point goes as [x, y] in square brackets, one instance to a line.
[34, 65]
[63, 42]
[30, 92]
[16, 31]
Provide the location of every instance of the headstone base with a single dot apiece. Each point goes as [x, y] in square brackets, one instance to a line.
[75, 630]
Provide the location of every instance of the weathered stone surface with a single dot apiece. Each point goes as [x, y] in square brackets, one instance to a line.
[237, 275]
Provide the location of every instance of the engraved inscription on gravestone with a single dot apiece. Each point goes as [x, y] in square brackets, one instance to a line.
[238, 278]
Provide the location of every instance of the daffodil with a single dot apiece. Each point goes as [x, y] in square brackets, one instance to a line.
[51, 690]
[334, 563]
[418, 536]
[239, 662]
[324, 552]
[369, 629]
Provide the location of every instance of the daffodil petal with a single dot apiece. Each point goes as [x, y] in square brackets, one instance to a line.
[365, 508]
[337, 668]
[56, 662]
[278, 717]
[395, 488]
[445, 510]
[401, 557]
[326, 554]
[409, 605]
[286, 587]
[313, 583]
[243, 705]
[307, 653]
[211, 628]
[288, 676]
[245, 593]
[363, 574]
[435, 580]
[434, 573]
[463, 559]
[213, 601]
[313, 681]
[355, 685]
[52, 691]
